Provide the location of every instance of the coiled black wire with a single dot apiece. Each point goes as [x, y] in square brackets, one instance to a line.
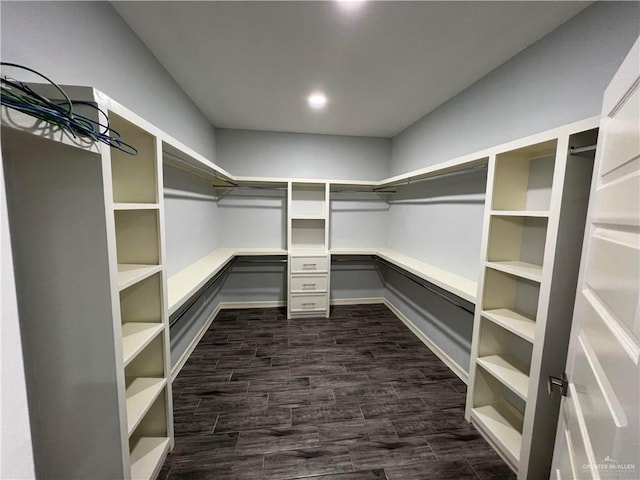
[21, 97]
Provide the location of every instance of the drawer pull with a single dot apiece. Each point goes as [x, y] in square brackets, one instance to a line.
[308, 285]
[308, 304]
[309, 265]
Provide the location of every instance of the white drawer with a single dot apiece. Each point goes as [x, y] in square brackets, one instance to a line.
[309, 283]
[309, 264]
[311, 303]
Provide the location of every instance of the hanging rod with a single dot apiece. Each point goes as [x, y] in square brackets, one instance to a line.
[431, 289]
[582, 151]
[255, 187]
[190, 165]
[258, 260]
[185, 307]
[359, 258]
[411, 180]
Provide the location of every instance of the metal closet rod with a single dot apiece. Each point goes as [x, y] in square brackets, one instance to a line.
[194, 167]
[258, 260]
[423, 285]
[254, 187]
[410, 180]
[582, 150]
[189, 303]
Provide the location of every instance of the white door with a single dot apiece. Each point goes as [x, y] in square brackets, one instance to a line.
[598, 429]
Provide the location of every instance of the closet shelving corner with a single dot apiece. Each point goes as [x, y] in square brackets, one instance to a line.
[516, 325]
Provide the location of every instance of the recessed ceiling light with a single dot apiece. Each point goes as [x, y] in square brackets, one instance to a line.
[350, 5]
[317, 100]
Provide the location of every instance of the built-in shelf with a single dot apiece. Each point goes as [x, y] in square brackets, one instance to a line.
[503, 425]
[141, 393]
[520, 213]
[146, 457]
[184, 284]
[136, 206]
[307, 217]
[510, 372]
[518, 268]
[130, 273]
[512, 321]
[136, 336]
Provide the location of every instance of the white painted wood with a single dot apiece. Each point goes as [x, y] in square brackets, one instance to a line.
[503, 426]
[129, 274]
[526, 270]
[309, 264]
[509, 371]
[538, 195]
[600, 419]
[308, 302]
[513, 321]
[141, 393]
[188, 281]
[136, 336]
[147, 456]
[308, 283]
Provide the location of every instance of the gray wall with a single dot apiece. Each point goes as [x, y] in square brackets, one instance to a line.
[274, 154]
[555, 81]
[88, 43]
[192, 225]
[357, 220]
[440, 222]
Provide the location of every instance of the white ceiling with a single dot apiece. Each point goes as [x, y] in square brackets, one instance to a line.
[383, 65]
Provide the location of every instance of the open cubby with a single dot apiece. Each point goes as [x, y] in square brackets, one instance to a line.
[517, 238]
[506, 356]
[499, 414]
[137, 237]
[524, 177]
[142, 302]
[308, 200]
[505, 291]
[154, 422]
[308, 235]
[149, 362]
[134, 177]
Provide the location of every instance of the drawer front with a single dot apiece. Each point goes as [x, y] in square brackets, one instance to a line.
[309, 283]
[301, 303]
[309, 264]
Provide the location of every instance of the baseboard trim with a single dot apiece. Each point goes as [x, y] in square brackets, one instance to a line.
[187, 353]
[258, 304]
[357, 301]
[441, 354]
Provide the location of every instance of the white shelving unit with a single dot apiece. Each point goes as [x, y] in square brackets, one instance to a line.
[309, 263]
[537, 195]
[92, 218]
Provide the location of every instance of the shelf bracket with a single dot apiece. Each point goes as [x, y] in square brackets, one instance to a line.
[558, 383]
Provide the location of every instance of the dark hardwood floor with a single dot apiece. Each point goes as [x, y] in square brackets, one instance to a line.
[353, 397]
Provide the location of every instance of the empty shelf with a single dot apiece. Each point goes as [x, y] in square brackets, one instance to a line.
[513, 321]
[503, 426]
[509, 371]
[131, 273]
[521, 213]
[136, 206]
[136, 336]
[526, 270]
[147, 456]
[141, 393]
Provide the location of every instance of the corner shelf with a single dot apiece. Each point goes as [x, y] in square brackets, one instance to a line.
[512, 321]
[136, 336]
[141, 393]
[509, 371]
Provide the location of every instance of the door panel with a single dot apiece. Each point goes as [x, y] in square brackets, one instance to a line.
[598, 432]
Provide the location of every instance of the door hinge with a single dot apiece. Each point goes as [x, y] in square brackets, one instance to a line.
[561, 384]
